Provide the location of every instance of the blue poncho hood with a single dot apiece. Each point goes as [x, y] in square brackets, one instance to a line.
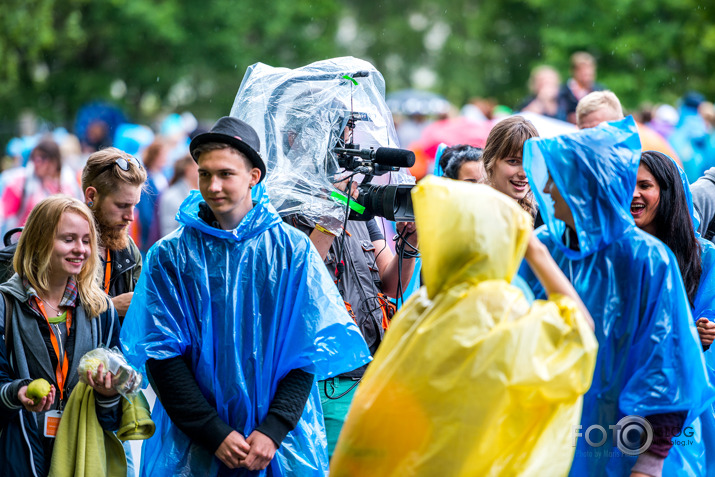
[599, 180]
[649, 358]
[243, 307]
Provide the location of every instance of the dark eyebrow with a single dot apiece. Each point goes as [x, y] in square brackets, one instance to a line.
[218, 171]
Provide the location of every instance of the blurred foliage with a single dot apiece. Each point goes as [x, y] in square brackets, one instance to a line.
[159, 56]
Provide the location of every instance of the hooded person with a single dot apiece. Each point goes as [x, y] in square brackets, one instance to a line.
[650, 361]
[242, 303]
[469, 333]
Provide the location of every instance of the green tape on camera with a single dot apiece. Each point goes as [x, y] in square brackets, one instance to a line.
[343, 199]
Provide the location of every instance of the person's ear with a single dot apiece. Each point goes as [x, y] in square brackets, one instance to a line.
[255, 177]
[90, 196]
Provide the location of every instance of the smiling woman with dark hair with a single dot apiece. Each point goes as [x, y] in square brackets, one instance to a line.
[661, 207]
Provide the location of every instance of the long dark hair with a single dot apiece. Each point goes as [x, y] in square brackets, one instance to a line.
[673, 224]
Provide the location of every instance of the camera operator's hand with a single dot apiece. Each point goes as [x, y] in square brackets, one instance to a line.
[342, 185]
[409, 230]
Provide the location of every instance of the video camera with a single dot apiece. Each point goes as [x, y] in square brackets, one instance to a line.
[392, 202]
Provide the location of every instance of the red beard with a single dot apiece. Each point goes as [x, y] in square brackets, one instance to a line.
[110, 237]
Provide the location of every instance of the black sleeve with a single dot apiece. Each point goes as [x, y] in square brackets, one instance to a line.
[665, 426]
[374, 230]
[187, 407]
[287, 405]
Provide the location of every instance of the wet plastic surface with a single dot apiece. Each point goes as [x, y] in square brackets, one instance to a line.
[470, 379]
[649, 359]
[300, 115]
[243, 307]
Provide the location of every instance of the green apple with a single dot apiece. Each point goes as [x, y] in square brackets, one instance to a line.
[38, 389]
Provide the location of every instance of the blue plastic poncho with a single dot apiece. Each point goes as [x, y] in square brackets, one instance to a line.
[697, 458]
[704, 306]
[649, 358]
[244, 307]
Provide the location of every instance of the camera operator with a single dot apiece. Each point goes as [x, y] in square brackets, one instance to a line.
[316, 121]
[368, 275]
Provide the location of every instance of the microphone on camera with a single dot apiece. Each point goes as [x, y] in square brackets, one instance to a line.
[393, 157]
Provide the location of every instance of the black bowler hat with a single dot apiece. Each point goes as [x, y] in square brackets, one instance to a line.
[237, 134]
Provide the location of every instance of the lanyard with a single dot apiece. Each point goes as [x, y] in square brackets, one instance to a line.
[62, 363]
[107, 272]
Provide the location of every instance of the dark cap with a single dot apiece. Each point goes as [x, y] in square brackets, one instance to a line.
[237, 134]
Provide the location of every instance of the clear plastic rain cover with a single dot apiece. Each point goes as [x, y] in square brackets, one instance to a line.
[301, 115]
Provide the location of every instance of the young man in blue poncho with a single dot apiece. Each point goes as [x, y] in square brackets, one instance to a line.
[234, 318]
[650, 361]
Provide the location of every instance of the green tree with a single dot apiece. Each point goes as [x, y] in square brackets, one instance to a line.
[154, 56]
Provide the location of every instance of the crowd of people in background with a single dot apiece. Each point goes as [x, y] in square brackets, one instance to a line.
[45, 163]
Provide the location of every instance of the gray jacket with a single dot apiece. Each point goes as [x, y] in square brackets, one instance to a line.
[24, 357]
[703, 191]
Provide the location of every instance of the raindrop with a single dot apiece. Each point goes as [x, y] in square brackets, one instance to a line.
[157, 79]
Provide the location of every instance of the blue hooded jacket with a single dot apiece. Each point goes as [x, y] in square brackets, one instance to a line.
[243, 307]
[649, 357]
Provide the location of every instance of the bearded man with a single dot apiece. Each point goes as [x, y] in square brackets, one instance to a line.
[112, 181]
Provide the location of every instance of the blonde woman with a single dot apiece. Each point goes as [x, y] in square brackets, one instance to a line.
[51, 313]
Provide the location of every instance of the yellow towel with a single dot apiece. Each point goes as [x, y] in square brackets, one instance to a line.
[136, 419]
[82, 448]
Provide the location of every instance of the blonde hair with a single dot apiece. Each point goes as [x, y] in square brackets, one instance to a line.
[596, 101]
[34, 251]
[507, 139]
[581, 57]
[101, 173]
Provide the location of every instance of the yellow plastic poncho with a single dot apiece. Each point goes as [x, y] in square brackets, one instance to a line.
[470, 380]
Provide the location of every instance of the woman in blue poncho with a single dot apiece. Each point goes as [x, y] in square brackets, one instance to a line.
[662, 206]
[649, 361]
